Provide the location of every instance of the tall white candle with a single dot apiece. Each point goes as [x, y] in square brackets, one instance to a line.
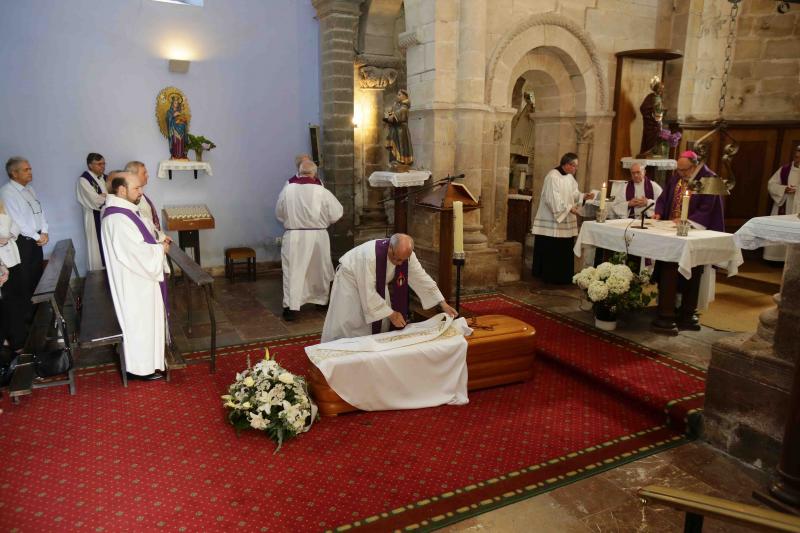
[603, 197]
[685, 206]
[521, 184]
[458, 227]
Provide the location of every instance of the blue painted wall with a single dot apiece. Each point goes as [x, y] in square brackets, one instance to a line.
[82, 76]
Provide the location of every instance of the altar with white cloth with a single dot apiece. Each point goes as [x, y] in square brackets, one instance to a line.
[659, 241]
[422, 365]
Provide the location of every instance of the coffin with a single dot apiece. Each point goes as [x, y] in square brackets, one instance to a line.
[500, 351]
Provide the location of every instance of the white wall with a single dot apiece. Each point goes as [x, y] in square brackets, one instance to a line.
[82, 76]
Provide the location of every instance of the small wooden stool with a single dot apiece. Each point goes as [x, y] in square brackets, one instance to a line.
[238, 256]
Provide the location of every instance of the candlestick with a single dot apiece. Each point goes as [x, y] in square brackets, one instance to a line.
[521, 184]
[458, 227]
[603, 197]
[685, 206]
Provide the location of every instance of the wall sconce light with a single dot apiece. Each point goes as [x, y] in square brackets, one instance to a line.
[179, 66]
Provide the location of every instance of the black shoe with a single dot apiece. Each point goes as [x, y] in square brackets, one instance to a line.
[288, 314]
[149, 377]
[691, 322]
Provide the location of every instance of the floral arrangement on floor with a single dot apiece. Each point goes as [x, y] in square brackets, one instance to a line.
[613, 287]
[269, 398]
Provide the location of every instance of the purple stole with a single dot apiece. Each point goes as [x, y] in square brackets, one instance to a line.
[629, 192]
[305, 180]
[146, 235]
[156, 223]
[96, 213]
[400, 289]
[785, 170]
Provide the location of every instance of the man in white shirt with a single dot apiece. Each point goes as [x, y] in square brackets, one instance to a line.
[135, 267]
[91, 192]
[25, 209]
[306, 209]
[12, 323]
[370, 289]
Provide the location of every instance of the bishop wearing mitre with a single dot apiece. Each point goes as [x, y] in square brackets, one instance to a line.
[306, 209]
[370, 290]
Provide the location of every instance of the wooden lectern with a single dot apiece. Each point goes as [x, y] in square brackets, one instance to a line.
[441, 199]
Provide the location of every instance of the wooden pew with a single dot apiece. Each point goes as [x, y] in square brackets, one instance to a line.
[49, 328]
[99, 325]
[193, 273]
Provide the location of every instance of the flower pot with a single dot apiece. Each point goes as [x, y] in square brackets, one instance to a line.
[604, 318]
[198, 155]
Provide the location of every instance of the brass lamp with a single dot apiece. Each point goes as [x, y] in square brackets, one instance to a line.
[714, 184]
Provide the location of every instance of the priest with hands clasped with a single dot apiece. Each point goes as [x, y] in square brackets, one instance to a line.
[370, 289]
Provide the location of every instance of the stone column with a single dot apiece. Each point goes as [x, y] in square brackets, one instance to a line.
[338, 21]
[371, 215]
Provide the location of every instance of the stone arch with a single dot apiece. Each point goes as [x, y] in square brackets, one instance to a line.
[564, 39]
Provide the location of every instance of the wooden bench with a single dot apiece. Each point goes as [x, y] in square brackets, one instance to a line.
[191, 272]
[99, 325]
[49, 329]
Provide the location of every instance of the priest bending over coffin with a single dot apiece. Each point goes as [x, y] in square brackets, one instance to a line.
[370, 289]
[135, 267]
[306, 209]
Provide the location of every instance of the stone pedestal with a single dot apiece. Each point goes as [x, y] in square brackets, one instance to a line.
[750, 380]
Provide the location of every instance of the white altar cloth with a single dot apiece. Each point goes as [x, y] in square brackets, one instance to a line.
[762, 231]
[412, 178]
[422, 365]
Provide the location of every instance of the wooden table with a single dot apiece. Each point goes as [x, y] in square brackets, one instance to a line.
[177, 218]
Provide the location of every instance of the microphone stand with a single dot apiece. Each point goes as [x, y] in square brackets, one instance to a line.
[644, 211]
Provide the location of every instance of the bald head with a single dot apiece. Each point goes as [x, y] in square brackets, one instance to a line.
[307, 168]
[401, 246]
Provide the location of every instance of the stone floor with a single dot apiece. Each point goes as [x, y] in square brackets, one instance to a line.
[251, 311]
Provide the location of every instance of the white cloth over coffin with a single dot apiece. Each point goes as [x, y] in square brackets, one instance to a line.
[423, 365]
[777, 192]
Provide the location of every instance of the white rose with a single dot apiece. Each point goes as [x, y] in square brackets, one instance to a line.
[287, 378]
[249, 382]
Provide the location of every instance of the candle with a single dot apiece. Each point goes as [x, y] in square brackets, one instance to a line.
[685, 206]
[458, 227]
[603, 196]
[521, 185]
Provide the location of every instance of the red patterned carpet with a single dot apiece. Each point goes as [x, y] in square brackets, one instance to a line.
[160, 456]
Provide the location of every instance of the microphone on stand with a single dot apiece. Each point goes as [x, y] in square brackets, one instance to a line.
[643, 213]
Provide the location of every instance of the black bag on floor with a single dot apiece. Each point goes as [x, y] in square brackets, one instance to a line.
[53, 363]
[8, 362]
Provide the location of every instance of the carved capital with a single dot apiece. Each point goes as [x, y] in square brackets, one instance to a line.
[499, 128]
[326, 8]
[584, 132]
[407, 39]
[379, 60]
[372, 77]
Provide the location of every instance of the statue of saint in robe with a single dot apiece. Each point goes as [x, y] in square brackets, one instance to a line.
[652, 110]
[177, 129]
[398, 140]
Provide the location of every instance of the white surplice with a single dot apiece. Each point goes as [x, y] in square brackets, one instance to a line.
[777, 252]
[306, 211]
[134, 270]
[355, 303]
[559, 195]
[423, 365]
[91, 201]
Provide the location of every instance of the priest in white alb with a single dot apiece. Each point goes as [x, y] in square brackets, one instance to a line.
[782, 188]
[306, 209]
[135, 267]
[370, 290]
[91, 192]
